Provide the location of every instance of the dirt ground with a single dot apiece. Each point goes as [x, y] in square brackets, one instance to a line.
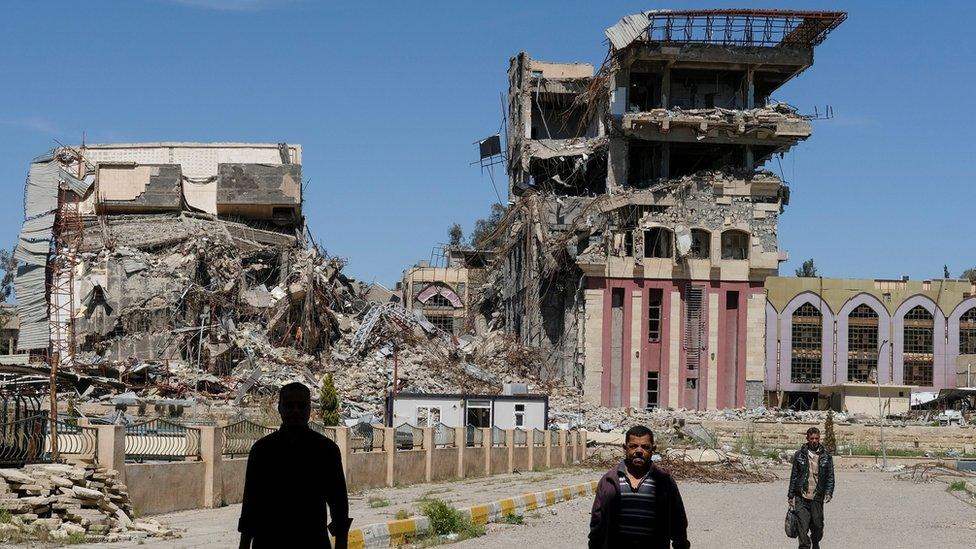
[869, 509]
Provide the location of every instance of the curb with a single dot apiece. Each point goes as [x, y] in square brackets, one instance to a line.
[395, 532]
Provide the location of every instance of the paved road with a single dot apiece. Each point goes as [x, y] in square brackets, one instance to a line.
[870, 509]
[217, 528]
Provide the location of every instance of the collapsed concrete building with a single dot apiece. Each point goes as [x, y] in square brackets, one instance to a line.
[641, 224]
[167, 254]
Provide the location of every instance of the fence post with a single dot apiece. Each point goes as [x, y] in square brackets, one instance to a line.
[510, 444]
[563, 439]
[460, 442]
[548, 445]
[211, 452]
[389, 445]
[488, 443]
[111, 448]
[342, 441]
[530, 448]
[582, 443]
[428, 452]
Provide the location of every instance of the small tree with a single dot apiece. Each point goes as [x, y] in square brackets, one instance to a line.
[329, 402]
[455, 235]
[970, 275]
[829, 440]
[807, 270]
[945, 272]
[483, 236]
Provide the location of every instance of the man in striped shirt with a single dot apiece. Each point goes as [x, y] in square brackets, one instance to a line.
[638, 504]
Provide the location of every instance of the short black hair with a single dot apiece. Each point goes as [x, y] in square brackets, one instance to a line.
[813, 430]
[295, 387]
[638, 431]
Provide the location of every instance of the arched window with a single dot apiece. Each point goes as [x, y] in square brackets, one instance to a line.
[701, 244]
[918, 353]
[862, 343]
[657, 243]
[967, 333]
[437, 300]
[735, 245]
[807, 344]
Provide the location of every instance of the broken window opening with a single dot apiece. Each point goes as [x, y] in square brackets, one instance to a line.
[654, 316]
[652, 390]
[698, 89]
[735, 245]
[438, 301]
[806, 353]
[701, 244]
[658, 243]
[570, 176]
[694, 325]
[862, 343]
[967, 333]
[559, 116]
[645, 92]
[919, 335]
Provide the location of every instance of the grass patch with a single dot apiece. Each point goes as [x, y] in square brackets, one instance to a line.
[375, 502]
[513, 518]
[402, 514]
[76, 538]
[543, 478]
[5, 516]
[958, 486]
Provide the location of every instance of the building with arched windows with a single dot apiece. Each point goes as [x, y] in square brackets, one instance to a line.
[442, 288]
[822, 332]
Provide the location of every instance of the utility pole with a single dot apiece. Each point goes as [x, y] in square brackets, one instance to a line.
[884, 452]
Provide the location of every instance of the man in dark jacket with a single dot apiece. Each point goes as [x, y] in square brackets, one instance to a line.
[811, 485]
[638, 504]
[294, 480]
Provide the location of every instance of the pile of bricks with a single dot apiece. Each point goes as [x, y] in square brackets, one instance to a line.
[58, 502]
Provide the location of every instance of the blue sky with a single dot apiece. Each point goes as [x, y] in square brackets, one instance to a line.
[387, 98]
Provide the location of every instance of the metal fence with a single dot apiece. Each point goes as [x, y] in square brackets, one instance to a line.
[409, 437]
[366, 438]
[161, 440]
[237, 438]
[520, 437]
[444, 436]
[22, 441]
[474, 436]
[538, 437]
[327, 432]
[497, 436]
[74, 439]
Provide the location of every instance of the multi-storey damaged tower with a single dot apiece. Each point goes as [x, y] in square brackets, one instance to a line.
[642, 225]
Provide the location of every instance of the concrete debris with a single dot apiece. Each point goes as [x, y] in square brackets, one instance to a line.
[61, 502]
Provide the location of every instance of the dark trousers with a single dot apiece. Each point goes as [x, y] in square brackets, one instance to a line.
[811, 519]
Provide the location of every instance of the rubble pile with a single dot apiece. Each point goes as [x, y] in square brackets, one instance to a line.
[59, 502]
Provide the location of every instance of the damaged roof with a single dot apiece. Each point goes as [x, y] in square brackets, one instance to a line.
[727, 27]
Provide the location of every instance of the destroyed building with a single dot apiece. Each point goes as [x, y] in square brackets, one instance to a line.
[642, 223]
[189, 256]
[443, 287]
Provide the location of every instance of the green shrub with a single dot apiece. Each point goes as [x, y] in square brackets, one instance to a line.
[958, 486]
[512, 518]
[5, 516]
[402, 514]
[375, 502]
[446, 520]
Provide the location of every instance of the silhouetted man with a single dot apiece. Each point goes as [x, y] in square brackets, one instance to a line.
[292, 475]
[811, 485]
[637, 504]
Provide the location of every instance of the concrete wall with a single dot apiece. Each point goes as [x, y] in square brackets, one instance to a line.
[474, 462]
[232, 479]
[444, 464]
[366, 470]
[788, 435]
[214, 481]
[164, 487]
